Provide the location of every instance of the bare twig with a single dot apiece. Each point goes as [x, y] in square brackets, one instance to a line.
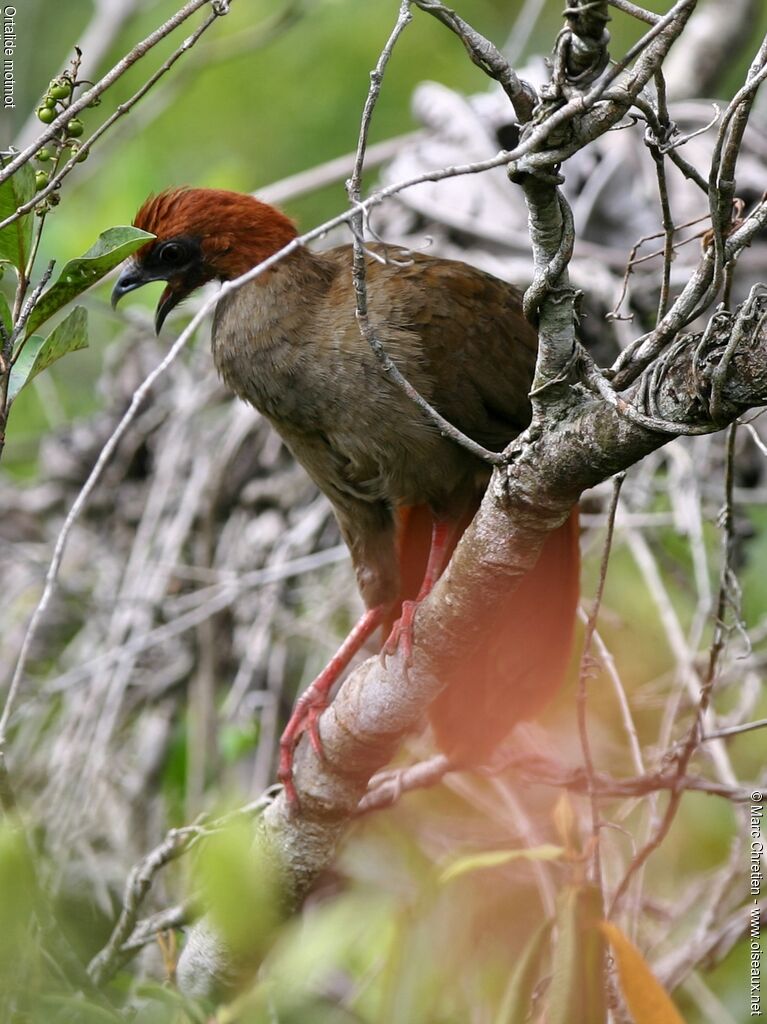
[582, 691]
[640, 13]
[387, 788]
[86, 98]
[734, 730]
[127, 936]
[137, 886]
[695, 731]
[487, 57]
[359, 272]
[665, 205]
[109, 17]
[123, 108]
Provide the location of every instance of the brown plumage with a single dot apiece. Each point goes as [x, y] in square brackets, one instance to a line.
[289, 343]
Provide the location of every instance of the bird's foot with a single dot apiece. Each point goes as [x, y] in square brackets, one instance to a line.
[315, 699]
[401, 636]
[305, 719]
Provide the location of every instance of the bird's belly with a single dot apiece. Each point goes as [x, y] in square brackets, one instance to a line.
[376, 449]
[385, 463]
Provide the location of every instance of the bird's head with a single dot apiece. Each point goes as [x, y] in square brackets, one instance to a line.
[202, 234]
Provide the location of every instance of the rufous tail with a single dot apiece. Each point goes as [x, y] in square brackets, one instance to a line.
[523, 666]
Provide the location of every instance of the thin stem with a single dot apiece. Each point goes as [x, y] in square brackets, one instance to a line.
[627, 7]
[359, 270]
[695, 732]
[585, 666]
[734, 730]
[665, 204]
[85, 100]
[123, 108]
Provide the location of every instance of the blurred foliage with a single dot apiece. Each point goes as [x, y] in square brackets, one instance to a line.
[239, 882]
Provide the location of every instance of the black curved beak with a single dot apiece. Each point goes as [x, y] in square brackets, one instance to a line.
[168, 300]
[133, 277]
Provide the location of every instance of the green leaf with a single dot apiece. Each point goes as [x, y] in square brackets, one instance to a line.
[107, 252]
[240, 886]
[38, 353]
[77, 1008]
[164, 1004]
[496, 858]
[17, 903]
[518, 996]
[5, 313]
[16, 239]
[576, 992]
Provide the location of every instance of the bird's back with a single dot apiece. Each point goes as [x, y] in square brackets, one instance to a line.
[291, 345]
[467, 337]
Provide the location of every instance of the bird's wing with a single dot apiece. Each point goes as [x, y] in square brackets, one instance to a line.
[471, 351]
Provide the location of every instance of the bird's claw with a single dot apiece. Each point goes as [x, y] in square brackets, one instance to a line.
[305, 719]
[401, 636]
[315, 699]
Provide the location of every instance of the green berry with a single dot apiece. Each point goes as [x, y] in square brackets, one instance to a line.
[75, 128]
[46, 114]
[60, 88]
[41, 180]
[78, 155]
[44, 155]
[49, 101]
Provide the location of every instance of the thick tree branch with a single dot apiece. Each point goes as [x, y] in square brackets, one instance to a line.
[377, 705]
[487, 57]
[576, 440]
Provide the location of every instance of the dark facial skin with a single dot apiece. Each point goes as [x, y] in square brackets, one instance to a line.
[179, 261]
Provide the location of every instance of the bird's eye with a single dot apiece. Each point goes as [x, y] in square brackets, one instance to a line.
[171, 252]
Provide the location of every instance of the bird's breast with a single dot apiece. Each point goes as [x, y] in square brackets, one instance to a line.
[260, 352]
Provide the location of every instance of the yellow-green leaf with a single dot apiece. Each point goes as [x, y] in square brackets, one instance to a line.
[566, 823]
[576, 992]
[79, 1009]
[17, 903]
[240, 885]
[645, 997]
[496, 858]
[517, 998]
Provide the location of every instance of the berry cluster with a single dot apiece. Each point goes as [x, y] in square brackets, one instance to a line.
[55, 102]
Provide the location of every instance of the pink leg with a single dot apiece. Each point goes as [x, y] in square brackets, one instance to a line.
[314, 699]
[402, 630]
